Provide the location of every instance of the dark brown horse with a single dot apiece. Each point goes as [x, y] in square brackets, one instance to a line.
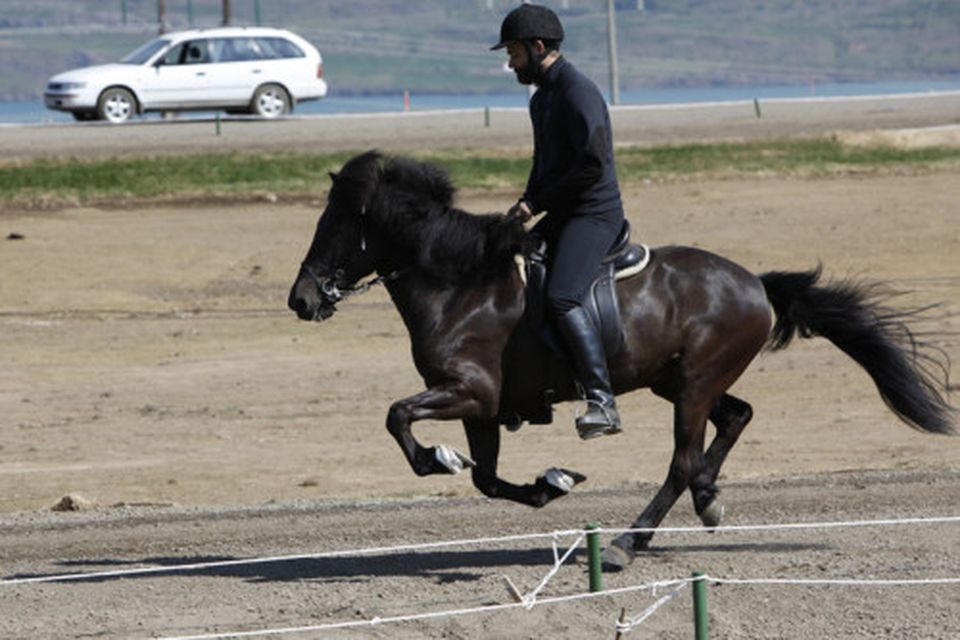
[693, 321]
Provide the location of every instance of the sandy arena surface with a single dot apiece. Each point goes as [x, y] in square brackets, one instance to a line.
[150, 367]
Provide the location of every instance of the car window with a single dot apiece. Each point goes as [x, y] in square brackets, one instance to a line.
[174, 55]
[279, 48]
[145, 52]
[237, 49]
[198, 52]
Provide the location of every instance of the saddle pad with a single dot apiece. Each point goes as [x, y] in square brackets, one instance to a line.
[633, 270]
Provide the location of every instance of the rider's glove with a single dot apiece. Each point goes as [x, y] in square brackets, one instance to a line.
[520, 211]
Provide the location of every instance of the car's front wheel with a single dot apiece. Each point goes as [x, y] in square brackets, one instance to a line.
[270, 101]
[116, 104]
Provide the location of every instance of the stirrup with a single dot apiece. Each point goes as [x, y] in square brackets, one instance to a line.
[588, 428]
[588, 432]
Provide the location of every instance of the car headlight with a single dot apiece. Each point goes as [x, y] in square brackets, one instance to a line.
[66, 86]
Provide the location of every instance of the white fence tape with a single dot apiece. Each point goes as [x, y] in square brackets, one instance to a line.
[531, 599]
[677, 585]
[427, 546]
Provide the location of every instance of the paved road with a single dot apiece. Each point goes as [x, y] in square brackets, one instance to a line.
[508, 128]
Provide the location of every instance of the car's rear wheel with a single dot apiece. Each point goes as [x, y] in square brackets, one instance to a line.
[116, 104]
[270, 101]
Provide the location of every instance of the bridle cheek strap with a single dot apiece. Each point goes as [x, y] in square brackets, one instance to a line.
[329, 287]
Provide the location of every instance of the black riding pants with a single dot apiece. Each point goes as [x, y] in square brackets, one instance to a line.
[576, 246]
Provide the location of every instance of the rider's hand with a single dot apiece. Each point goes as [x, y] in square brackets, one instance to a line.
[520, 211]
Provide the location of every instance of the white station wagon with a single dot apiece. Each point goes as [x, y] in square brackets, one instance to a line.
[255, 70]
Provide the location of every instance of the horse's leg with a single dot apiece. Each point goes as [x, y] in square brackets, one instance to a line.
[696, 387]
[730, 415]
[443, 402]
[484, 439]
[690, 418]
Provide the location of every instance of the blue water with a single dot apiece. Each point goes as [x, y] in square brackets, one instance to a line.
[35, 112]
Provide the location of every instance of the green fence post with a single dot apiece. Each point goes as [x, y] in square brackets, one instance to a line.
[700, 605]
[593, 549]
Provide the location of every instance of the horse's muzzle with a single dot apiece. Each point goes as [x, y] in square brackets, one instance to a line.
[313, 298]
[314, 309]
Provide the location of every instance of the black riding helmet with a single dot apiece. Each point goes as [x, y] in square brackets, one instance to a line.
[530, 22]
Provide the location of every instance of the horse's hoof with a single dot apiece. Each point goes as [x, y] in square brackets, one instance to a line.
[452, 460]
[614, 559]
[563, 479]
[711, 516]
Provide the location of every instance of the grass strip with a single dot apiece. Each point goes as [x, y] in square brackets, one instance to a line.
[88, 181]
[818, 156]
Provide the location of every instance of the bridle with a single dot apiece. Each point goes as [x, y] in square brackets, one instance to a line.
[331, 293]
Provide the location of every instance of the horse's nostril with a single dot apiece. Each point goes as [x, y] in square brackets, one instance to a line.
[298, 306]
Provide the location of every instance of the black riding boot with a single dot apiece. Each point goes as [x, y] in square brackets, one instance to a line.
[582, 340]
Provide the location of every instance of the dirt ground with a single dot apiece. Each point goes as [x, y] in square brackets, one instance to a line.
[298, 592]
[150, 368]
[149, 355]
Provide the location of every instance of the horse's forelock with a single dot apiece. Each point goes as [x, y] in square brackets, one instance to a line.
[359, 177]
[402, 178]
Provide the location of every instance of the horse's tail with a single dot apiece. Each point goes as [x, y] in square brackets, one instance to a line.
[909, 373]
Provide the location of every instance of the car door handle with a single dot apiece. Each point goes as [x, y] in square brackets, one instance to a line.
[256, 71]
[201, 73]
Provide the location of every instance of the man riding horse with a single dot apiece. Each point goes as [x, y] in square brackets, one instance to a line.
[693, 320]
[573, 180]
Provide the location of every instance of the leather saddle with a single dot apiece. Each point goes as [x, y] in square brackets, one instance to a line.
[623, 260]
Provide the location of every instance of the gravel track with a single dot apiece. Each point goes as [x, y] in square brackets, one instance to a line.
[509, 128]
[309, 591]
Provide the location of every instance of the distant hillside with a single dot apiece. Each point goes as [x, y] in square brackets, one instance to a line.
[376, 46]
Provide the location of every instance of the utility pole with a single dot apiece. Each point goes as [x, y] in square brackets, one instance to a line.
[226, 13]
[162, 16]
[612, 41]
[256, 12]
[190, 12]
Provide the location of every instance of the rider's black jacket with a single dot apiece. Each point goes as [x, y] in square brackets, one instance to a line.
[573, 171]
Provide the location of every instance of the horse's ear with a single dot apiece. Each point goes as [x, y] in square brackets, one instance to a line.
[334, 176]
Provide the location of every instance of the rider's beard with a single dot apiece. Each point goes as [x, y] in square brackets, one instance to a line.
[527, 75]
[532, 71]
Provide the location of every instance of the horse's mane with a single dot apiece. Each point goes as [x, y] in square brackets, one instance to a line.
[413, 202]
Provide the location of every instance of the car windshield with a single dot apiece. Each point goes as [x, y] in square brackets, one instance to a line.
[145, 52]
